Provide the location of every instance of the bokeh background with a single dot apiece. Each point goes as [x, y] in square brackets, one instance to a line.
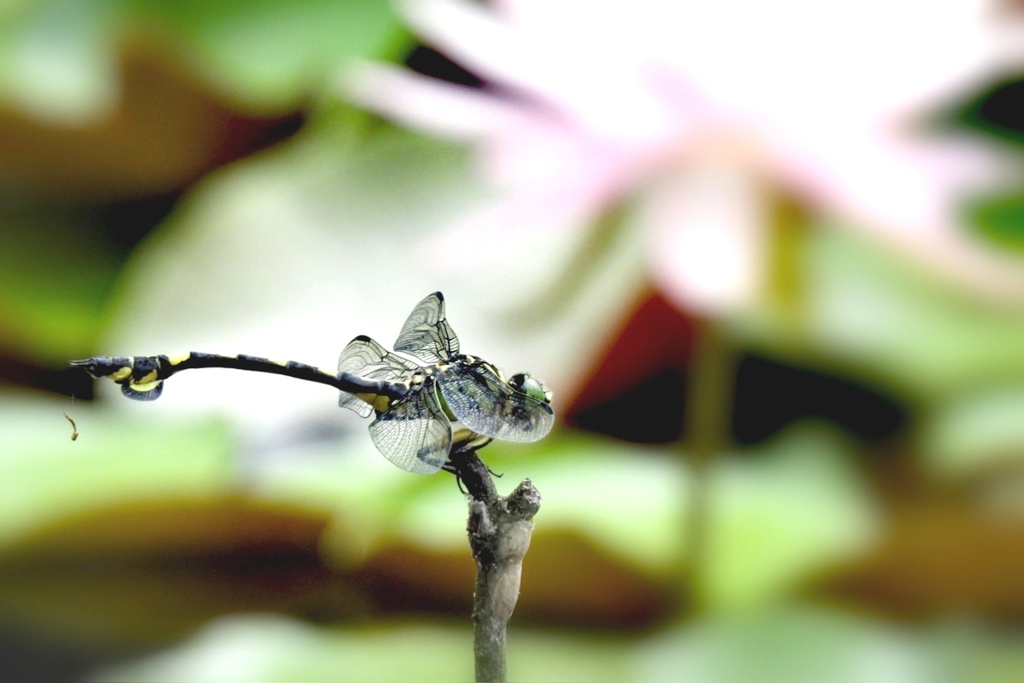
[768, 256]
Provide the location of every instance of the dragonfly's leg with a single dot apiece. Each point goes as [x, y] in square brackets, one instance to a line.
[449, 467]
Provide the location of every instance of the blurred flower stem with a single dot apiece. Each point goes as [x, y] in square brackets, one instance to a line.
[709, 397]
[499, 531]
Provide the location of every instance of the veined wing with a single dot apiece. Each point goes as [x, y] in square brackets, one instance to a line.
[414, 432]
[426, 334]
[366, 358]
[485, 403]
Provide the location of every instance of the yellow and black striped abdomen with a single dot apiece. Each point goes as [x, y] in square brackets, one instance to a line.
[141, 377]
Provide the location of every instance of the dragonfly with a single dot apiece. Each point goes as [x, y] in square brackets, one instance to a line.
[428, 398]
[445, 386]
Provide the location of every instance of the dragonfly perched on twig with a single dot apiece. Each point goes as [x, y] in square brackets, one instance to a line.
[415, 431]
[428, 396]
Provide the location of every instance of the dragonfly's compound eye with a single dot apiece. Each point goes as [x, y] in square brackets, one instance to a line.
[534, 388]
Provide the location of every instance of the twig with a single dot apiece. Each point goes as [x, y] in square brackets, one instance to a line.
[499, 531]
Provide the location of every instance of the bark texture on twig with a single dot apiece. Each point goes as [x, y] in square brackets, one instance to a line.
[499, 531]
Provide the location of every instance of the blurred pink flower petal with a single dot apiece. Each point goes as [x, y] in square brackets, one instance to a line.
[706, 237]
[433, 106]
[599, 101]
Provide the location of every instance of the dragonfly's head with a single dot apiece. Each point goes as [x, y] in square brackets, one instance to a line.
[531, 386]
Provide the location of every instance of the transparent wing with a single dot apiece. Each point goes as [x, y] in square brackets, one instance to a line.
[485, 403]
[366, 358]
[426, 334]
[414, 432]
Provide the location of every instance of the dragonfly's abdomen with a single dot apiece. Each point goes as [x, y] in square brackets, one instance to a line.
[141, 377]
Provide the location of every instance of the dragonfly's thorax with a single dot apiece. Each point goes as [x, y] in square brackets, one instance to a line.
[467, 361]
[457, 361]
[413, 385]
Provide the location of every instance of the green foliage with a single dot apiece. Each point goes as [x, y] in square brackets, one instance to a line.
[1001, 219]
[56, 277]
[974, 433]
[59, 58]
[865, 311]
[790, 645]
[798, 644]
[117, 458]
[799, 508]
[269, 648]
[274, 53]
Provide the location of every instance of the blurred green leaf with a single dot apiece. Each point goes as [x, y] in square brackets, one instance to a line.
[412, 528]
[114, 459]
[975, 432]
[869, 312]
[597, 488]
[800, 644]
[269, 648]
[787, 512]
[792, 511]
[789, 645]
[58, 60]
[624, 498]
[274, 53]
[56, 276]
[1001, 219]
